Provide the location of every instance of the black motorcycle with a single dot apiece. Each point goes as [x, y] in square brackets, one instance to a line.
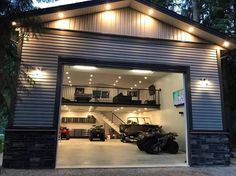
[97, 132]
[155, 142]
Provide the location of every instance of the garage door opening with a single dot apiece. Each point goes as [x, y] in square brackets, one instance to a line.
[112, 117]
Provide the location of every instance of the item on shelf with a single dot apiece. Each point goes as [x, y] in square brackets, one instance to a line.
[120, 98]
[136, 102]
[150, 102]
[65, 100]
[97, 132]
[152, 90]
[83, 98]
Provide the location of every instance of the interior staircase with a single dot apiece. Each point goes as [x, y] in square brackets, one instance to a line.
[109, 122]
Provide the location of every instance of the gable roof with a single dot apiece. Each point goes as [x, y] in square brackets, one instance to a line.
[144, 6]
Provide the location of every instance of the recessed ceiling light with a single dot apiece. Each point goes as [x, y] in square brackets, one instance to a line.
[90, 83]
[69, 81]
[140, 82]
[114, 84]
[64, 106]
[91, 76]
[150, 12]
[191, 29]
[13, 23]
[61, 15]
[118, 109]
[90, 79]
[121, 108]
[131, 88]
[70, 85]
[119, 77]
[82, 67]
[145, 108]
[67, 73]
[226, 44]
[68, 77]
[108, 6]
[142, 71]
[117, 81]
[135, 85]
[145, 77]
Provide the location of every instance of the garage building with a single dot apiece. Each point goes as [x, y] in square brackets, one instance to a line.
[114, 63]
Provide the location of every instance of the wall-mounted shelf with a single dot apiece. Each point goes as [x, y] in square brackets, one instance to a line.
[78, 120]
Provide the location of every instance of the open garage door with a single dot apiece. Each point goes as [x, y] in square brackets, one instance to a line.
[113, 117]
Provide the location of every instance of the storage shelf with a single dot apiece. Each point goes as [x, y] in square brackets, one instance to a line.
[109, 104]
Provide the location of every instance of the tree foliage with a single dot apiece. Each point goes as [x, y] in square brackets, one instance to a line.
[9, 58]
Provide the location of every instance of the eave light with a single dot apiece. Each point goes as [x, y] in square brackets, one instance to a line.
[61, 15]
[108, 7]
[82, 67]
[150, 11]
[226, 44]
[142, 71]
[191, 29]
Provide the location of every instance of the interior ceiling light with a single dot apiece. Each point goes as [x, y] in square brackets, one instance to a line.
[91, 76]
[114, 84]
[140, 82]
[119, 77]
[82, 67]
[145, 77]
[145, 108]
[69, 81]
[61, 15]
[131, 88]
[142, 71]
[226, 44]
[117, 81]
[68, 77]
[13, 23]
[135, 85]
[67, 73]
[191, 29]
[108, 7]
[121, 108]
[70, 85]
[90, 79]
[150, 12]
[90, 83]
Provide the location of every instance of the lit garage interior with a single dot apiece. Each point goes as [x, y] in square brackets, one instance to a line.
[105, 112]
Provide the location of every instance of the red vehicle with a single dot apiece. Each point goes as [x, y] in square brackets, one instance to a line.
[64, 133]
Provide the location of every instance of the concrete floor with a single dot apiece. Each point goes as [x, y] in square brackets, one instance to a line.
[81, 153]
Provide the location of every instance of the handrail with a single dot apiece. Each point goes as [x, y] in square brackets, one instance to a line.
[113, 114]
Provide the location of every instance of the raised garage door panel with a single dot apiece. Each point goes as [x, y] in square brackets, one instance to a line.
[45, 50]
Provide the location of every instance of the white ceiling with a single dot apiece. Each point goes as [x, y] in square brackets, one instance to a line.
[107, 77]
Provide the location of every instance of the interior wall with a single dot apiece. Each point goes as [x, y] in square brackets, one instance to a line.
[169, 116]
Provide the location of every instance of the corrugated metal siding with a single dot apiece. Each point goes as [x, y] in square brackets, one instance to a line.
[37, 108]
[126, 22]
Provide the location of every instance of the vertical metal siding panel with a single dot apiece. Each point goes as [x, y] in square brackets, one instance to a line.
[38, 52]
[126, 22]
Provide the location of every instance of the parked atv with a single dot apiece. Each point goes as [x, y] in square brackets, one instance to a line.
[97, 132]
[155, 142]
[64, 133]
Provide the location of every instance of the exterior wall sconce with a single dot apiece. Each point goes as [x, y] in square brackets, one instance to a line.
[204, 82]
[37, 72]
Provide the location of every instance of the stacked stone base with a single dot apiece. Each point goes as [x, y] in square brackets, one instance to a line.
[29, 149]
[209, 149]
